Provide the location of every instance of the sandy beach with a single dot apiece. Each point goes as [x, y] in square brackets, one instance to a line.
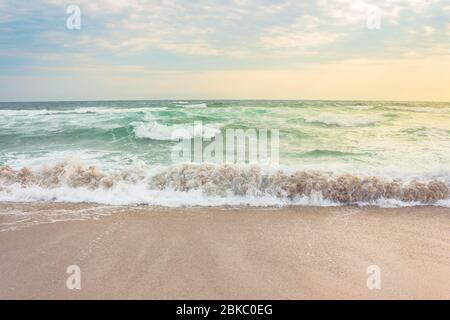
[224, 253]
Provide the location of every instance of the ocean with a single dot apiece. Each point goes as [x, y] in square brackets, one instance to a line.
[387, 154]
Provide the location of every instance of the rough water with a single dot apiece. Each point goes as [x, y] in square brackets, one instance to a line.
[331, 153]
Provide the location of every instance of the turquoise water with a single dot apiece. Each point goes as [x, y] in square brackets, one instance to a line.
[390, 140]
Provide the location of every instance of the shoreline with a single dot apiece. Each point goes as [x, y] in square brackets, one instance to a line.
[226, 253]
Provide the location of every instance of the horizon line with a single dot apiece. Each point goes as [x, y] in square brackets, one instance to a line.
[228, 99]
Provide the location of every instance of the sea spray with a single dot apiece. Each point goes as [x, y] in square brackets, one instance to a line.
[218, 181]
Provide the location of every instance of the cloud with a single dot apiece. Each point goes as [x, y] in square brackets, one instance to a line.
[134, 38]
[215, 28]
[98, 7]
[429, 30]
[351, 12]
[300, 37]
[181, 27]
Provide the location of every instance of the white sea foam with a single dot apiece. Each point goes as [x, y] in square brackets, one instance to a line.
[141, 195]
[107, 160]
[195, 105]
[157, 131]
[390, 203]
[443, 203]
[134, 195]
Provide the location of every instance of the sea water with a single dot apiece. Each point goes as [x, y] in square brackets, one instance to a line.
[330, 153]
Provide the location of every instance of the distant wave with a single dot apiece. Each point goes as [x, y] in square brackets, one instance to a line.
[195, 105]
[418, 109]
[83, 110]
[339, 120]
[361, 107]
[93, 110]
[213, 185]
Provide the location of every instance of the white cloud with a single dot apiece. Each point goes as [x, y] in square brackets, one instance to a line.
[134, 26]
[177, 26]
[213, 27]
[299, 37]
[286, 38]
[429, 30]
[350, 12]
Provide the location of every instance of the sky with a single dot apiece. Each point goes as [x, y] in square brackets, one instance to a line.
[229, 49]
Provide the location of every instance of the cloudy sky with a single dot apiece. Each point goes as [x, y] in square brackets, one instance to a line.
[230, 49]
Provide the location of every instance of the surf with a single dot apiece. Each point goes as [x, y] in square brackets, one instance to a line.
[211, 185]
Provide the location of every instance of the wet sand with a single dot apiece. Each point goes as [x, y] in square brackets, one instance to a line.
[218, 253]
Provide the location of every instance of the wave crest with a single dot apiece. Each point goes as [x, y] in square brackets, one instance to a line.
[73, 175]
[225, 181]
[346, 189]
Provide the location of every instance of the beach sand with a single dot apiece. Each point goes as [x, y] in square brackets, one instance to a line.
[225, 253]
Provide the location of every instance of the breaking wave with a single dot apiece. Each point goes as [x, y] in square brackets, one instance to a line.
[195, 105]
[187, 104]
[157, 131]
[214, 185]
